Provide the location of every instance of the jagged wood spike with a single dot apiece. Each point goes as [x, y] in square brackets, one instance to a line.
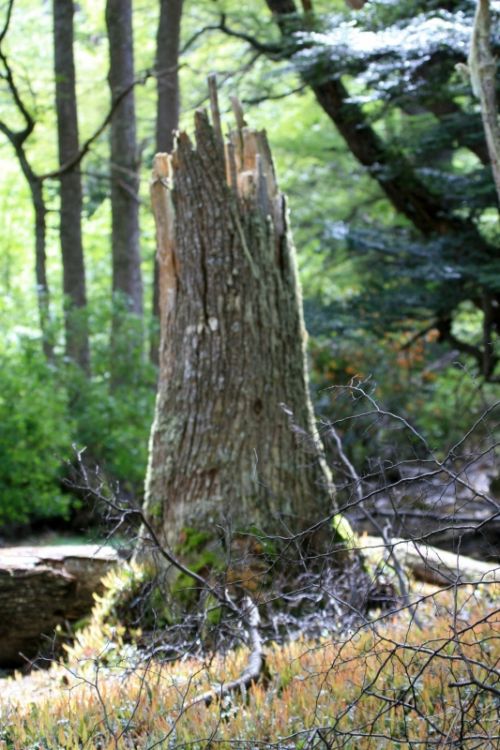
[214, 108]
[163, 211]
[238, 113]
[232, 171]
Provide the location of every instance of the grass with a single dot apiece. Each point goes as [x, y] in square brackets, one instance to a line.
[389, 685]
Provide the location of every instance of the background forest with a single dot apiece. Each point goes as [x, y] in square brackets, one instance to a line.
[393, 207]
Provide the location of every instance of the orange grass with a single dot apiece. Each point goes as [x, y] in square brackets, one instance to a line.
[388, 685]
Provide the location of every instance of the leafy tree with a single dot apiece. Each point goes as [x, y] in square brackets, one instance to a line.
[406, 116]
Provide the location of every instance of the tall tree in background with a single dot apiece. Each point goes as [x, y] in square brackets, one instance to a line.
[127, 280]
[74, 287]
[167, 109]
[461, 261]
[18, 138]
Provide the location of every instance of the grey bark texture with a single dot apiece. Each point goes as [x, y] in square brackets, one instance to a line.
[127, 281]
[167, 73]
[168, 107]
[233, 442]
[74, 287]
[42, 587]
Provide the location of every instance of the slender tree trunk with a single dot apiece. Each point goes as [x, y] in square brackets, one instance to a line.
[167, 111]
[234, 443]
[74, 288]
[42, 284]
[482, 69]
[127, 281]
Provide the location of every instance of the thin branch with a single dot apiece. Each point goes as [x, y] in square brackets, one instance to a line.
[389, 546]
[270, 50]
[8, 16]
[275, 97]
[72, 163]
[21, 135]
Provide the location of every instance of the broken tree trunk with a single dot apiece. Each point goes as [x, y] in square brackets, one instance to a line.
[234, 445]
[42, 587]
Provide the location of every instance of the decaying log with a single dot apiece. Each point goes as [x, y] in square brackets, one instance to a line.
[431, 564]
[42, 587]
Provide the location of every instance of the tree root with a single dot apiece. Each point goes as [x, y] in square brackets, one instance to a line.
[252, 671]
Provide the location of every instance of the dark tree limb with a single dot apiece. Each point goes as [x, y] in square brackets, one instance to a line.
[70, 164]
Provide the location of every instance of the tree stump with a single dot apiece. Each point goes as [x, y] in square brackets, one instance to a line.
[42, 587]
[234, 445]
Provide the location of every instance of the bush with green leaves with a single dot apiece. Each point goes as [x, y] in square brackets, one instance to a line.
[114, 409]
[35, 436]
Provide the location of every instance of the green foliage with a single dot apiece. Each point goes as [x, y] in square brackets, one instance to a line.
[47, 411]
[409, 378]
[35, 436]
[113, 419]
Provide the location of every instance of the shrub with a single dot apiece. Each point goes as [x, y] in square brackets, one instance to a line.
[35, 436]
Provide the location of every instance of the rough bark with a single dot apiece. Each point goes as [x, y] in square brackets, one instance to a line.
[233, 442]
[42, 587]
[74, 287]
[127, 281]
[167, 109]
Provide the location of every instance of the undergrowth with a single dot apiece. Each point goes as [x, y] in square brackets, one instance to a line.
[389, 684]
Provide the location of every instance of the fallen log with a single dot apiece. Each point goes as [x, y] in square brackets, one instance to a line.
[42, 587]
[431, 564]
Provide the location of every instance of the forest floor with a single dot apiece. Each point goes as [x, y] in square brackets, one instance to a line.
[401, 677]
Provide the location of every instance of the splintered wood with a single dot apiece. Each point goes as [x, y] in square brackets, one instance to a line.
[163, 210]
[249, 172]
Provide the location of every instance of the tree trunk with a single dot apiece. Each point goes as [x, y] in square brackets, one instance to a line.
[482, 69]
[167, 112]
[42, 284]
[233, 442]
[74, 288]
[127, 281]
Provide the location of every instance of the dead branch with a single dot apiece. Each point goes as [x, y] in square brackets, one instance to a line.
[434, 565]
